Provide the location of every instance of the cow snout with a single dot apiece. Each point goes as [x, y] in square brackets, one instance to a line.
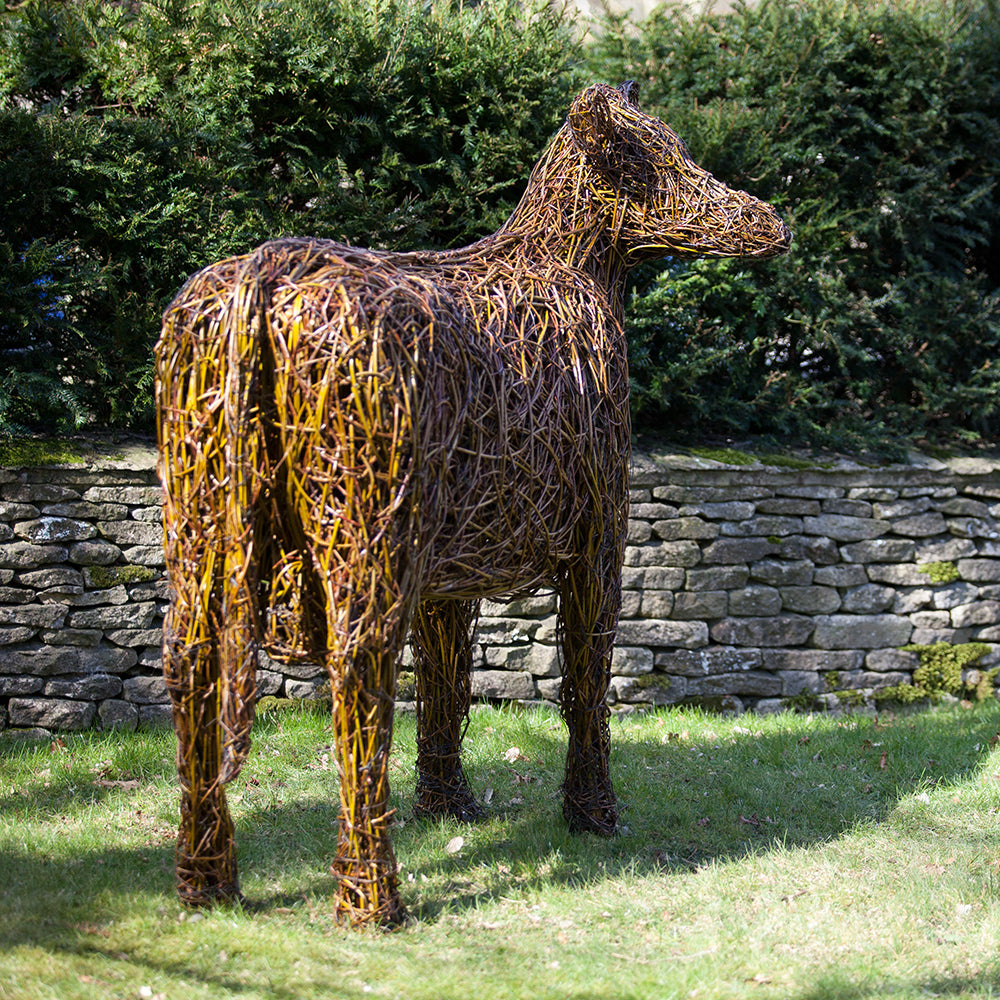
[760, 230]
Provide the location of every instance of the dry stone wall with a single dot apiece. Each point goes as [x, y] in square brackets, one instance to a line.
[744, 586]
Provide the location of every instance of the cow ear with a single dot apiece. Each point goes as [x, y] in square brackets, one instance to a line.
[597, 129]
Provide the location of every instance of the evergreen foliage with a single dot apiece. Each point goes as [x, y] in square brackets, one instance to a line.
[875, 128]
[141, 141]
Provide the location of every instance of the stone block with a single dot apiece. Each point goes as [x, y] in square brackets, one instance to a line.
[700, 604]
[146, 690]
[977, 613]
[51, 579]
[638, 532]
[841, 660]
[910, 599]
[25, 555]
[841, 575]
[86, 637]
[708, 661]
[116, 714]
[794, 682]
[90, 687]
[683, 553]
[756, 599]
[268, 682]
[39, 661]
[951, 595]
[136, 636]
[95, 553]
[131, 532]
[536, 659]
[640, 495]
[10, 511]
[973, 527]
[752, 683]
[784, 573]
[308, 690]
[814, 600]
[733, 510]
[764, 525]
[822, 551]
[631, 661]
[154, 515]
[15, 595]
[631, 603]
[928, 636]
[52, 713]
[920, 525]
[897, 575]
[849, 507]
[788, 506]
[844, 528]
[685, 528]
[980, 570]
[883, 494]
[869, 599]
[82, 510]
[716, 578]
[664, 577]
[505, 684]
[654, 689]
[867, 679]
[505, 631]
[889, 660]
[738, 550]
[879, 550]
[155, 716]
[54, 529]
[656, 603]
[134, 496]
[90, 598]
[145, 555]
[654, 632]
[550, 687]
[779, 630]
[963, 507]
[139, 615]
[931, 619]
[897, 509]
[10, 636]
[861, 631]
[652, 511]
[19, 685]
[39, 492]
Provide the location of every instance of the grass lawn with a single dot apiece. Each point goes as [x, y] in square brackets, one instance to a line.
[791, 856]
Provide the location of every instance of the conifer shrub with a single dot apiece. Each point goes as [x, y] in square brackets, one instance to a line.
[142, 141]
[875, 128]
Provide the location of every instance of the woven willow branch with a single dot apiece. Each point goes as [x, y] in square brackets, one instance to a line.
[357, 443]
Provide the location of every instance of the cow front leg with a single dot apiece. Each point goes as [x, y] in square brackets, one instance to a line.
[589, 605]
[442, 651]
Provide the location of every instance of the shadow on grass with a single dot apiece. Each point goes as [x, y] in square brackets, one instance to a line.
[686, 801]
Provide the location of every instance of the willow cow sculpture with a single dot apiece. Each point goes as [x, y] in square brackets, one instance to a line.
[357, 446]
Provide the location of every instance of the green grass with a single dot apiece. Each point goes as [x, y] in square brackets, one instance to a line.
[781, 857]
[29, 452]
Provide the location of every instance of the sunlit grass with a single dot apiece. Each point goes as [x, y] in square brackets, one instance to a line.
[786, 856]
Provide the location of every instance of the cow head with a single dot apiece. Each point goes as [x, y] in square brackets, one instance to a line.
[660, 203]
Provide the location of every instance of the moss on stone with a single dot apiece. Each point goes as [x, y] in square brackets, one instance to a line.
[406, 686]
[940, 572]
[105, 577]
[18, 453]
[728, 456]
[940, 673]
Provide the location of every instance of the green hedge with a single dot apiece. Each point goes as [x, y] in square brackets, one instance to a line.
[139, 142]
[876, 129]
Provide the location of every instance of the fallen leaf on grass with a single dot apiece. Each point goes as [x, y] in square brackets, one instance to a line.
[704, 821]
[487, 796]
[750, 820]
[454, 845]
[513, 754]
[104, 783]
[883, 761]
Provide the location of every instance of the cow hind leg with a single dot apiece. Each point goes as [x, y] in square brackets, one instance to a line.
[589, 604]
[442, 650]
[367, 626]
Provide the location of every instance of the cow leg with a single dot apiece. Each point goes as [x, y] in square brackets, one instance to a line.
[204, 698]
[367, 629]
[588, 613]
[442, 650]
